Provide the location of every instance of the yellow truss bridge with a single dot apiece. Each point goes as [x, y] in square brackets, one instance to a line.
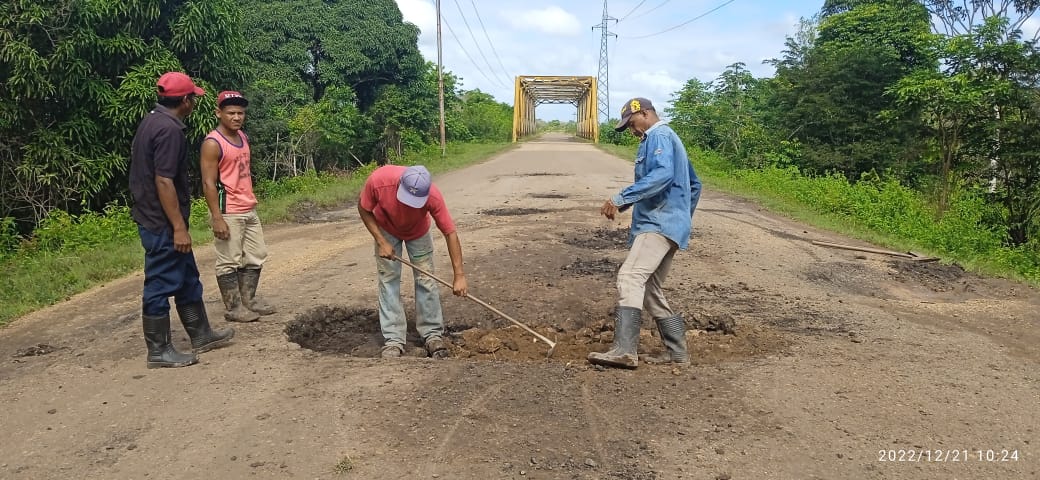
[532, 91]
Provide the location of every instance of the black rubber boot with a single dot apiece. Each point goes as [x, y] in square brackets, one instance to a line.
[673, 335]
[196, 323]
[248, 280]
[160, 349]
[624, 353]
[234, 309]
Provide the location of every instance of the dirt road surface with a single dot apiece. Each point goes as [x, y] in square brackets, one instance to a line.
[808, 362]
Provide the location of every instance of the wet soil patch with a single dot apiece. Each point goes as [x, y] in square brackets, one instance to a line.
[310, 212]
[508, 212]
[602, 266]
[848, 278]
[549, 195]
[932, 275]
[785, 235]
[738, 308]
[600, 239]
[35, 350]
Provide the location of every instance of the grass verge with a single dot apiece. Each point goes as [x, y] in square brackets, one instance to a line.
[37, 278]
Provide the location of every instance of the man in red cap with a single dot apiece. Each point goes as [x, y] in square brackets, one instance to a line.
[396, 205]
[162, 204]
[228, 184]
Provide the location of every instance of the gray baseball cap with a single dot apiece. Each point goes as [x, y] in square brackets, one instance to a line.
[414, 187]
[632, 106]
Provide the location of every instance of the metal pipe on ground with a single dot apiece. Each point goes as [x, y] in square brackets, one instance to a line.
[552, 344]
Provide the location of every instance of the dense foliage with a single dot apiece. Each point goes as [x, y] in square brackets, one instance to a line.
[333, 84]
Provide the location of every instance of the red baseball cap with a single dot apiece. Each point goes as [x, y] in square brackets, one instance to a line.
[230, 97]
[177, 84]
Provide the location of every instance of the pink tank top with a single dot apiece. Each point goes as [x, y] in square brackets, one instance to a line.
[235, 185]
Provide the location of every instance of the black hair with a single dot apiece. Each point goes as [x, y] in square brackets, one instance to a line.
[173, 102]
[234, 102]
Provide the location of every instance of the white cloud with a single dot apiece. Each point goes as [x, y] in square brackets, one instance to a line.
[420, 12]
[658, 81]
[552, 20]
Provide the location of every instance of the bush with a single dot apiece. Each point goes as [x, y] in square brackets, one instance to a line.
[61, 232]
[10, 240]
[309, 182]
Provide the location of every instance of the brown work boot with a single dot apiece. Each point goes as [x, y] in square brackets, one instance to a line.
[248, 280]
[391, 351]
[437, 347]
[235, 310]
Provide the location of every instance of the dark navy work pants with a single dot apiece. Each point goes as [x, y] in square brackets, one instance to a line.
[167, 273]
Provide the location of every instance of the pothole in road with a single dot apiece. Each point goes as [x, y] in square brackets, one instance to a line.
[352, 331]
[507, 212]
[600, 239]
[336, 329]
[35, 350]
[603, 266]
[549, 195]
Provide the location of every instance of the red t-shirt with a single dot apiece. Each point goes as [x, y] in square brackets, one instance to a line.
[379, 196]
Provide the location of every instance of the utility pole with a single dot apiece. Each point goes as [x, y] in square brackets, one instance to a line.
[603, 86]
[440, 79]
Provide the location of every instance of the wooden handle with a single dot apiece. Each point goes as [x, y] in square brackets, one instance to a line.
[480, 302]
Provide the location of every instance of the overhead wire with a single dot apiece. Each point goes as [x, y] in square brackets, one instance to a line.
[698, 17]
[641, 15]
[640, 4]
[493, 50]
[475, 42]
[456, 37]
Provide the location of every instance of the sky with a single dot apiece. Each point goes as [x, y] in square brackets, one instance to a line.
[555, 37]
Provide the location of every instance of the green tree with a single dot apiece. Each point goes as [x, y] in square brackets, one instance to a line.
[77, 78]
[485, 118]
[830, 87]
[1004, 136]
[304, 50]
[692, 115]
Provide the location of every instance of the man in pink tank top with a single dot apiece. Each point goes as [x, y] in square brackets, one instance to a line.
[396, 205]
[239, 237]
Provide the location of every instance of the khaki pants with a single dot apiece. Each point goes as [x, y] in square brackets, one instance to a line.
[642, 275]
[245, 248]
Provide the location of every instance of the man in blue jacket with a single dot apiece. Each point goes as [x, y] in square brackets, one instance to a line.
[663, 199]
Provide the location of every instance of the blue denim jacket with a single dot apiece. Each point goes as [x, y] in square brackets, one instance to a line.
[666, 190]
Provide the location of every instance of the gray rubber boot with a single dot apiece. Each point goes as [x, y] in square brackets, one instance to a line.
[196, 323]
[673, 334]
[624, 353]
[248, 280]
[235, 310]
[160, 349]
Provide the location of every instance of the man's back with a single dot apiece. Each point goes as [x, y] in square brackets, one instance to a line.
[158, 149]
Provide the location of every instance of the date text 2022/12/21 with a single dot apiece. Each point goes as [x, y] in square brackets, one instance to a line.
[947, 455]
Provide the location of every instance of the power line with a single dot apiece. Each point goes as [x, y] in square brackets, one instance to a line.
[698, 17]
[475, 42]
[641, 15]
[632, 10]
[456, 37]
[497, 57]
